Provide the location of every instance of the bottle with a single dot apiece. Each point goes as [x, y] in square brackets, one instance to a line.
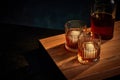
[102, 18]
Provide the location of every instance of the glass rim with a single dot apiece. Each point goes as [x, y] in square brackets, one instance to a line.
[81, 23]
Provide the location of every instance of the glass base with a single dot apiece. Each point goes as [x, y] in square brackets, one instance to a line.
[87, 61]
[70, 49]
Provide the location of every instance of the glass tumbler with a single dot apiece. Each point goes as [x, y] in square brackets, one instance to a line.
[73, 29]
[89, 47]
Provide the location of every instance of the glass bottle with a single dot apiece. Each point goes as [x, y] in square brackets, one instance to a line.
[103, 14]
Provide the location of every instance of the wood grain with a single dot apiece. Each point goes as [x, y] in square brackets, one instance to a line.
[108, 66]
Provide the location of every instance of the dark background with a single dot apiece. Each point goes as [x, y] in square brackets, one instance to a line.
[43, 13]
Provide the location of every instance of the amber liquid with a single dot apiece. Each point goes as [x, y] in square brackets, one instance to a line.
[102, 24]
[72, 39]
[86, 55]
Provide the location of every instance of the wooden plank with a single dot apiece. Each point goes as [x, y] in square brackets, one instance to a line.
[53, 41]
[108, 65]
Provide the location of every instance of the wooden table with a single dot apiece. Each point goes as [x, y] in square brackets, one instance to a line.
[108, 66]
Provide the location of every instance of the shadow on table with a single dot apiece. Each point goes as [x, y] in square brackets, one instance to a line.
[67, 61]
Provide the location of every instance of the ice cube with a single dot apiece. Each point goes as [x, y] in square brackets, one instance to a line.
[74, 36]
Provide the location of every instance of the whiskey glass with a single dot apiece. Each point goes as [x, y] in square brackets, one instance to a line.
[89, 45]
[73, 29]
